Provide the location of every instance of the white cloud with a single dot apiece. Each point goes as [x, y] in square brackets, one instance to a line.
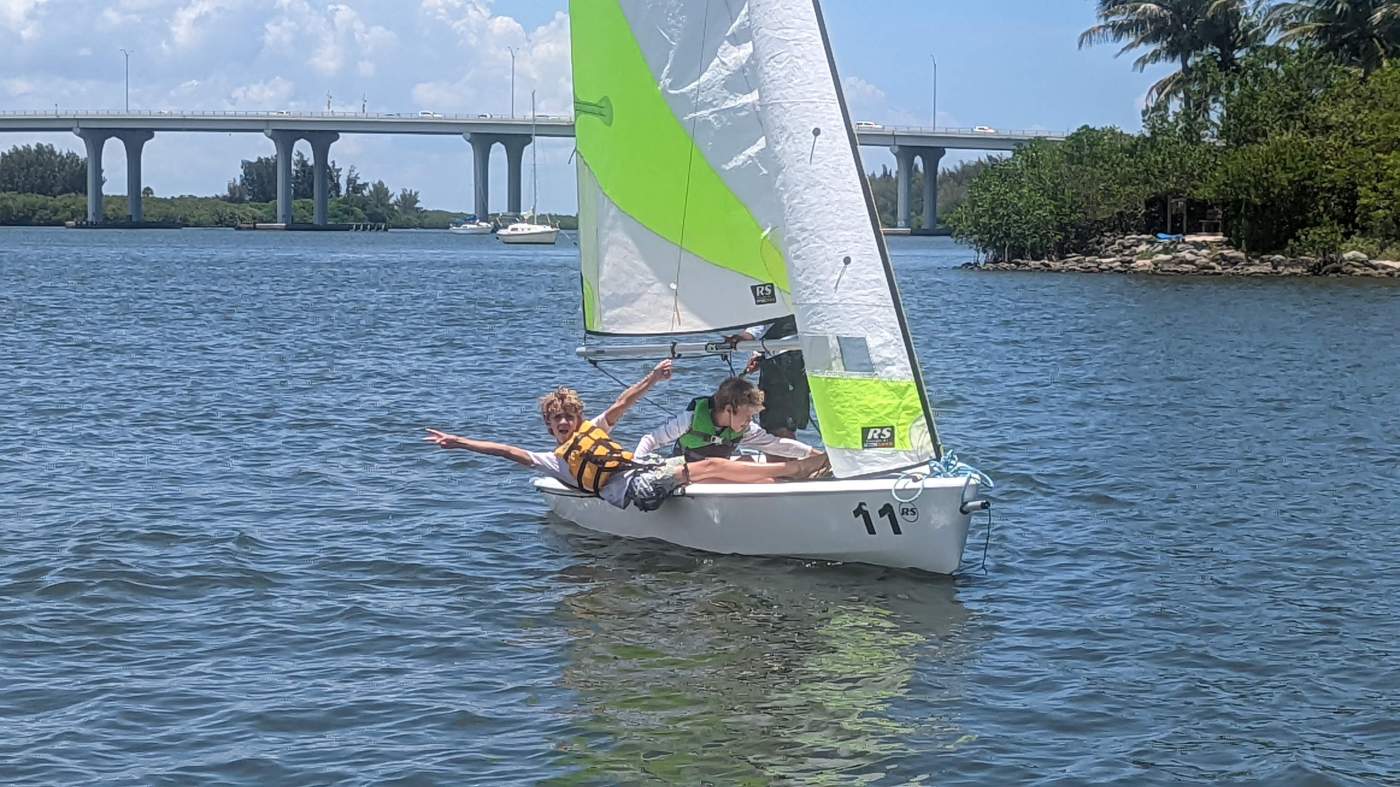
[270, 94]
[858, 90]
[193, 20]
[21, 17]
[541, 62]
[333, 36]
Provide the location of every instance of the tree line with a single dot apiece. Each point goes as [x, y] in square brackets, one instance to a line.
[41, 185]
[352, 199]
[1280, 126]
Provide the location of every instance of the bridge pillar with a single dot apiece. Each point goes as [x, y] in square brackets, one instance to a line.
[320, 154]
[285, 141]
[904, 163]
[481, 170]
[93, 141]
[134, 141]
[515, 151]
[931, 158]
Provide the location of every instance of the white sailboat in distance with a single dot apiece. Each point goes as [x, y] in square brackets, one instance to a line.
[717, 178]
[528, 230]
[471, 225]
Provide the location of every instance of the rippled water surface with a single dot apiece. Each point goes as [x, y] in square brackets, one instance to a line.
[226, 556]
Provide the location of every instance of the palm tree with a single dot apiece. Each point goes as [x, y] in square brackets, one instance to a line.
[1232, 27]
[1178, 31]
[1360, 33]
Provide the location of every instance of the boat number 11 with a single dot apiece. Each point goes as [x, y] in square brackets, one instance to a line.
[907, 511]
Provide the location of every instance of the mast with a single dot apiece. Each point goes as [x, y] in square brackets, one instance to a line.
[534, 164]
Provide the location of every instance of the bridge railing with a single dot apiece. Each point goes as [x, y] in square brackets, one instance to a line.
[1018, 133]
[428, 116]
[273, 115]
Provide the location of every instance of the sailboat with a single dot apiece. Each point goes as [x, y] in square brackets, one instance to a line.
[717, 176]
[471, 225]
[528, 230]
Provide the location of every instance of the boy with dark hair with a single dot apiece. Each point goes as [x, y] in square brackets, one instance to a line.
[716, 426]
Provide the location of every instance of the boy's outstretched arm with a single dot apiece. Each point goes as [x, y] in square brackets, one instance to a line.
[632, 395]
[445, 440]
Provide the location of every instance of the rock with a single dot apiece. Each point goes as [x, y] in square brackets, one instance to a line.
[1355, 256]
[1162, 259]
[1387, 267]
[1232, 257]
[1141, 266]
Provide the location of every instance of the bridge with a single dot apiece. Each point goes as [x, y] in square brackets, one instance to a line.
[482, 133]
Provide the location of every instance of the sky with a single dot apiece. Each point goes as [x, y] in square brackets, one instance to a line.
[1009, 64]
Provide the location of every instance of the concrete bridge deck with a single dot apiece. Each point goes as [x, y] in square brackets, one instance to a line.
[482, 131]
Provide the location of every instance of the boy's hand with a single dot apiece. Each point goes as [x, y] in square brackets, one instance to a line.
[662, 370]
[443, 439]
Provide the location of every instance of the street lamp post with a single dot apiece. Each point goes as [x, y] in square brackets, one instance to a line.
[512, 81]
[934, 60]
[126, 74]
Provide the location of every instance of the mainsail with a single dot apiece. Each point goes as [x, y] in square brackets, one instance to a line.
[720, 186]
[678, 220]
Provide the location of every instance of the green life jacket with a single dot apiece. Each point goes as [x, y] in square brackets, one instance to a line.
[704, 440]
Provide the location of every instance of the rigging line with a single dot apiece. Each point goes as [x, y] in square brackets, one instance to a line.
[625, 386]
[689, 166]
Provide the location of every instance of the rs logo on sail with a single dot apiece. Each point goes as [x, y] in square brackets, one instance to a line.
[877, 437]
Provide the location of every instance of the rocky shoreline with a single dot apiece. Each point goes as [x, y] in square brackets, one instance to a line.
[1196, 255]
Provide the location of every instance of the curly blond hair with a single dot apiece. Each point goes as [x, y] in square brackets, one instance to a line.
[561, 400]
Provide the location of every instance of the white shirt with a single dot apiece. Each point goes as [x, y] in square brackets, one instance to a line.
[659, 440]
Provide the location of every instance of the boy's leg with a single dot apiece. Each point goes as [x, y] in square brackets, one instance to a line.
[728, 471]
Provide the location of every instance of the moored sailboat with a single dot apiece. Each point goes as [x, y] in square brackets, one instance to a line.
[471, 225]
[529, 230]
[717, 169]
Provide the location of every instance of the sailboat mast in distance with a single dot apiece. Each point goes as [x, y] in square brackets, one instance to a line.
[534, 162]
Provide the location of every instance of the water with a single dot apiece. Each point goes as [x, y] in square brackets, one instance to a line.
[226, 556]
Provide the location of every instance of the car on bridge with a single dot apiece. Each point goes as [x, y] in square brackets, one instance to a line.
[866, 124]
[983, 130]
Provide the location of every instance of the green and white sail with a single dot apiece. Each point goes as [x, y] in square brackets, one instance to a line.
[720, 186]
[678, 220]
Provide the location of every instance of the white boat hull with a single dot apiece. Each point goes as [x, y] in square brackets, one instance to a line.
[471, 229]
[822, 520]
[542, 236]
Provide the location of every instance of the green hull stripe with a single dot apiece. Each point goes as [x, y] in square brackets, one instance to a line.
[847, 406]
[642, 155]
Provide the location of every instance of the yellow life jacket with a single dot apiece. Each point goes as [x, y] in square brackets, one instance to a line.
[593, 457]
